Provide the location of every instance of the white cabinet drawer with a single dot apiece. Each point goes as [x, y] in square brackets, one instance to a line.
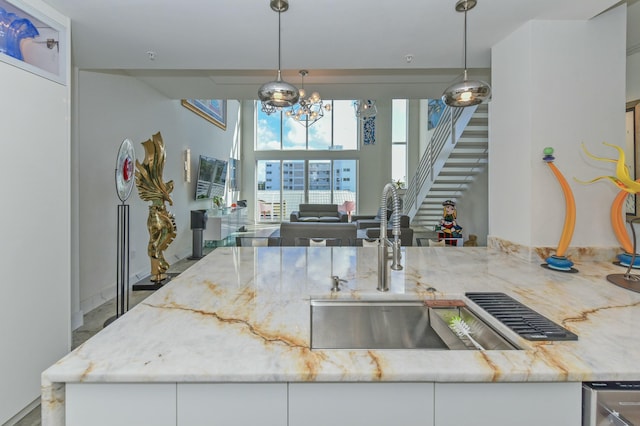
[122, 404]
[232, 404]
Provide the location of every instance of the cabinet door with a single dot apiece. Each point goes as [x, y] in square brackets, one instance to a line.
[232, 404]
[508, 404]
[122, 404]
[352, 404]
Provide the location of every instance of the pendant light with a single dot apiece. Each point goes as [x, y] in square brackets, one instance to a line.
[278, 94]
[468, 92]
[308, 110]
[365, 108]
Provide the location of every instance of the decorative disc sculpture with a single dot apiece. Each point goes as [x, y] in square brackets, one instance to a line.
[160, 223]
[558, 261]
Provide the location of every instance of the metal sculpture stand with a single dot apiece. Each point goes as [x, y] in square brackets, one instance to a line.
[628, 280]
[122, 263]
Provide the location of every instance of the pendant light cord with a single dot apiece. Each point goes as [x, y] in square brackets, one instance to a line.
[465, 41]
[279, 31]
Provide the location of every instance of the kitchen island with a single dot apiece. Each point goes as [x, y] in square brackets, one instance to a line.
[228, 342]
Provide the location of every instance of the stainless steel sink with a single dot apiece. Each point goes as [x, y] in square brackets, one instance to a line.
[342, 324]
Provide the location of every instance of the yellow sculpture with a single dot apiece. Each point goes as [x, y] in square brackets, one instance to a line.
[622, 179]
[160, 223]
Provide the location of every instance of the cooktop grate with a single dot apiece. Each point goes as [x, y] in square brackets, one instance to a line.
[526, 322]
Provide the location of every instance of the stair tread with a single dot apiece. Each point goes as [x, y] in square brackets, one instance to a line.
[467, 159]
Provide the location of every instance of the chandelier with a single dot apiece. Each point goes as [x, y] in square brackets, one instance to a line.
[467, 92]
[308, 110]
[278, 94]
[365, 108]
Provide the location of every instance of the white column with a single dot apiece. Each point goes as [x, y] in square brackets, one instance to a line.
[558, 84]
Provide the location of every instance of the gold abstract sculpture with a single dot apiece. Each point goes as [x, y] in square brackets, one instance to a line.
[160, 223]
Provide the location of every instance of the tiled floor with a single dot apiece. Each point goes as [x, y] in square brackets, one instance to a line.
[94, 320]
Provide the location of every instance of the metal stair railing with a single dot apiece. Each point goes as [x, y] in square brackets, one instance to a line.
[449, 129]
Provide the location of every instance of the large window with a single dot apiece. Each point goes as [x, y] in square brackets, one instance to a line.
[283, 185]
[337, 130]
[296, 164]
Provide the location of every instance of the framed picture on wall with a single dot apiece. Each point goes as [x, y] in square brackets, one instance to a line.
[212, 110]
[33, 41]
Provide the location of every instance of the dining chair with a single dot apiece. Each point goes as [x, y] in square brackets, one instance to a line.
[363, 242]
[318, 242]
[258, 241]
[266, 209]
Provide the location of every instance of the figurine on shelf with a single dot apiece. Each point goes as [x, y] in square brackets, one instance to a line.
[449, 227]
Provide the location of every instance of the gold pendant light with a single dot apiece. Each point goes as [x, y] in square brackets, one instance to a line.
[468, 92]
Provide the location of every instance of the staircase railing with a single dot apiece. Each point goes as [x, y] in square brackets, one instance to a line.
[443, 140]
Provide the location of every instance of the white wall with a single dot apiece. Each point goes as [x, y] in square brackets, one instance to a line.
[558, 84]
[633, 61]
[633, 76]
[113, 107]
[35, 248]
[472, 209]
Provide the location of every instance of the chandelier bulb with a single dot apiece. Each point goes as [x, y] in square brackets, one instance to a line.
[302, 93]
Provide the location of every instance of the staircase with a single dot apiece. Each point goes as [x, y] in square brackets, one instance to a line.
[446, 169]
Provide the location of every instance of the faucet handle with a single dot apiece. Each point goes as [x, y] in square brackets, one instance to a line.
[336, 283]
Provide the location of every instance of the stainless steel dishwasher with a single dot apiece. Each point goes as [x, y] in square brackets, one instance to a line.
[611, 403]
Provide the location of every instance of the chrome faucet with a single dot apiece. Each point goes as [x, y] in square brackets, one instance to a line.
[384, 243]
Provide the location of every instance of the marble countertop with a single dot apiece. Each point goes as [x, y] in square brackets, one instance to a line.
[242, 315]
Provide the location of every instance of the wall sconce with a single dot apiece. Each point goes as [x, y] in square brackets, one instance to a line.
[187, 165]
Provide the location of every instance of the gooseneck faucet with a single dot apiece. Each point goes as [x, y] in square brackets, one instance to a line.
[384, 243]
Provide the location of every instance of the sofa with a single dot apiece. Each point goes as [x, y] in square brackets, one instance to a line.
[347, 232]
[318, 213]
[365, 222]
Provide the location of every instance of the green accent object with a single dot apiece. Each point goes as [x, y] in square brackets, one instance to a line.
[548, 151]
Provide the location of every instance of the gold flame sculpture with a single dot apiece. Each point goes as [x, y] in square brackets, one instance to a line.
[160, 223]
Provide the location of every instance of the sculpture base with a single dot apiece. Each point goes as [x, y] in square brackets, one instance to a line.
[559, 263]
[625, 259]
[628, 281]
[147, 284]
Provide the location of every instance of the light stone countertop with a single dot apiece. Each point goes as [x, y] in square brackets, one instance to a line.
[242, 315]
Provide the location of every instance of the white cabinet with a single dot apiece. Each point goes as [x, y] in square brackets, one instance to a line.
[122, 404]
[232, 404]
[353, 404]
[321, 404]
[508, 404]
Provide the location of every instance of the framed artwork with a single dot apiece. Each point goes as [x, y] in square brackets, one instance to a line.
[212, 110]
[33, 41]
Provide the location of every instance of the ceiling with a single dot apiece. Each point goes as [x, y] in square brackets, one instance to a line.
[210, 49]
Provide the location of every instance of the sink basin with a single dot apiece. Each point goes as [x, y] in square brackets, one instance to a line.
[347, 324]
